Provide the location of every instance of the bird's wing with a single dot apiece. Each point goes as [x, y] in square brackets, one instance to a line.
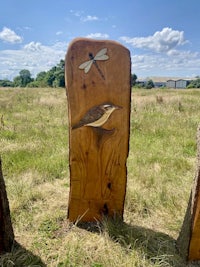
[90, 116]
[93, 114]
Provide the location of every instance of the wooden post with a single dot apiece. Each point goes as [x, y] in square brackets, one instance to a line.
[189, 238]
[6, 230]
[98, 75]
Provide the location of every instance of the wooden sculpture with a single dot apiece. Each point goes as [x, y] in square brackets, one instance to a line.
[98, 75]
[189, 239]
[6, 230]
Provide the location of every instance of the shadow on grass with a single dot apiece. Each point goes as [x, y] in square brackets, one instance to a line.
[156, 247]
[20, 257]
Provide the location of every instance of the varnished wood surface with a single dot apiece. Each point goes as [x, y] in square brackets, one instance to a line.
[188, 241]
[194, 247]
[97, 155]
[6, 230]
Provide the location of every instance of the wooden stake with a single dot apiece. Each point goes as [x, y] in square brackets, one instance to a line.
[6, 230]
[189, 238]
[98, 89]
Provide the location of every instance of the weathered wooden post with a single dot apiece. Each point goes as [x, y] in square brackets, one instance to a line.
[189, 238]
[98, 75]
[6, 230]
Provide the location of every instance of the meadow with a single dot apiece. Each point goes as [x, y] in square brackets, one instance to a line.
[161, 167]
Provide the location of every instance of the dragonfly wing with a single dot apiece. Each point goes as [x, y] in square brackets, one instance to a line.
[101, 52]
[87, 68]
[101, 55]
[84, 65]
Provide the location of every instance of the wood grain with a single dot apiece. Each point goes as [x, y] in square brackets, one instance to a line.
[97, 155]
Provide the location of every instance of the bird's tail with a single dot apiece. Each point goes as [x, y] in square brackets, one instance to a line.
[76, 126]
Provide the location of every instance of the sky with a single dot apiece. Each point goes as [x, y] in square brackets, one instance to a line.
[162, 35]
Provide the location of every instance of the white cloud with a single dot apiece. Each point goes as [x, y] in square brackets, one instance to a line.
[82, 17]
[33, 56]
[7, 35]
[162, 41]
[27, 28]
[32, 47]
[76, 13]
[98, 35]
[59, 32]
[164, 57]
[179, 63]
[89, 18]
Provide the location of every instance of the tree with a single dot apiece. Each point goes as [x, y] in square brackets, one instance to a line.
[34, 84]
[60, 73]
[59, 80]
[50, 77]
[133, 79]
[6, 83]
[41, 76]
[23, 79]
[194, 84]
[17, 81]
[61, 64]
[149, 84]
[55, 77]
[40, 80]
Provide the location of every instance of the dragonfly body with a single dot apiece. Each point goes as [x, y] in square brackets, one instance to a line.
[101, 55]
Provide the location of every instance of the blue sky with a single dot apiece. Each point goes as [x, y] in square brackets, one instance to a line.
[162, 35]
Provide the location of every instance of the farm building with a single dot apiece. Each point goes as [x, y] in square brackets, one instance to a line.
[158, 81]
[182, 83]
[179, 84]
[170, 82]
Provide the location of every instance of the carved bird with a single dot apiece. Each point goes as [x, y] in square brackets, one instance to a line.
[97, 115]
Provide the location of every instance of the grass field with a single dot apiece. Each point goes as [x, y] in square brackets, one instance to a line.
[161, 167]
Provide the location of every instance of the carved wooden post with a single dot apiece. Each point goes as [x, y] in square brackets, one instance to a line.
[189, 238]
[98, 90]
[6, 230]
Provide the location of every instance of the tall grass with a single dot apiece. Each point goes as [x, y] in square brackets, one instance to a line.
[161, 167]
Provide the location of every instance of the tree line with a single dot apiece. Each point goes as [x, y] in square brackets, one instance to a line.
[194, 83]
[55, 77]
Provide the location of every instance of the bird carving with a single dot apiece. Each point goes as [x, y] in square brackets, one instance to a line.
[97, 116]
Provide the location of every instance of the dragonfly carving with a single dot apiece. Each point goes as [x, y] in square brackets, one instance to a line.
[101, 55]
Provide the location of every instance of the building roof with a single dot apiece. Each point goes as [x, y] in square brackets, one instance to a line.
[156, 79]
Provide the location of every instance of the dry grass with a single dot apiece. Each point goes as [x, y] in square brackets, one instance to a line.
[161, 167]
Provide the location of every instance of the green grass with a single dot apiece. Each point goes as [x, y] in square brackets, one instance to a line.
[161, 168]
